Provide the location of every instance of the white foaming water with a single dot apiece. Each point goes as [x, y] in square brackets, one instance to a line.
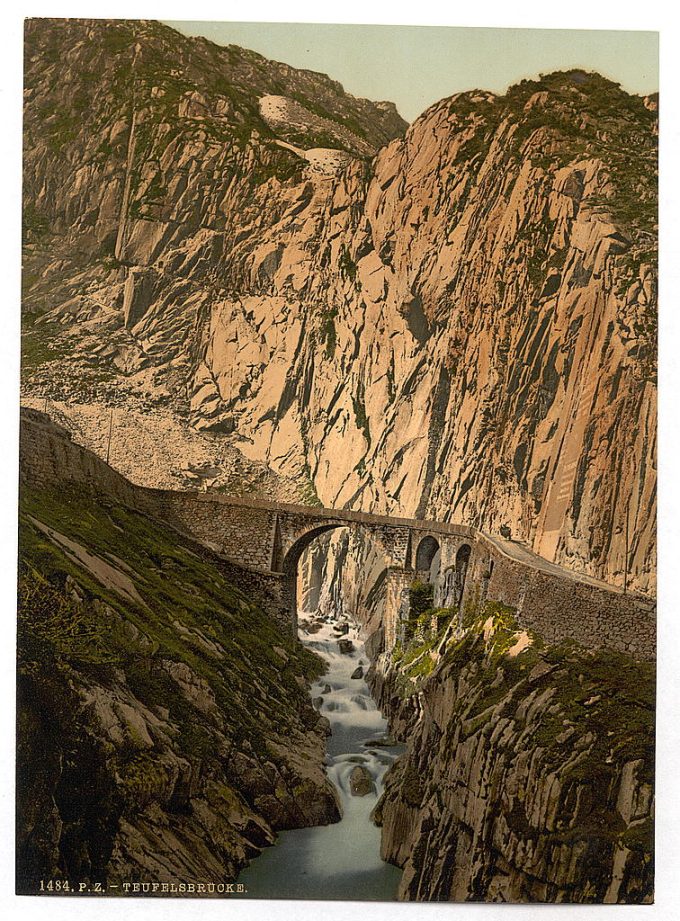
[340, 861]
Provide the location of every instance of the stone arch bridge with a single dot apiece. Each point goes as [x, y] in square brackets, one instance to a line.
[267, 539]
[463, 563]
[270, 538]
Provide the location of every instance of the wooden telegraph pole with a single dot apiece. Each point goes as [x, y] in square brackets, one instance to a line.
[625, 565]
[108, 446]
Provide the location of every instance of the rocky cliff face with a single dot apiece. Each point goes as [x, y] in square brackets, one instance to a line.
[461, 324]
[528, 774]
[165, 729]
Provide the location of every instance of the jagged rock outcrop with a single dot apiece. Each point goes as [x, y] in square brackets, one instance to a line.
[528, 774]
[165, 729]
[462, 326]
[281, 289]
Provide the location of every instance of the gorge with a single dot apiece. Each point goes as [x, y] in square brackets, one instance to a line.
[274, 341]
[342, 861]
[556, 736]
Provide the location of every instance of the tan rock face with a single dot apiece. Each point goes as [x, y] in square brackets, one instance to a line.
[461, 328]
[526, 778]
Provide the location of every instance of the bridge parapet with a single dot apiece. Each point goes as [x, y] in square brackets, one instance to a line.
[311, 513]
[560, 604]
[556, 602]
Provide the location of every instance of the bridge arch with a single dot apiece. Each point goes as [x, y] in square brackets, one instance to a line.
[291, 557]
[463, 554]
[428, 553]
[428, 564]
[290, 560]
[462, 562]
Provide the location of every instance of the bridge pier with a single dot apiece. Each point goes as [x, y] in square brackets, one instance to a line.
[396, 603]
[288, 593]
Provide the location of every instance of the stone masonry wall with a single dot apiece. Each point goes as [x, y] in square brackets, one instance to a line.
[243, 534]
[556, 604]
[562, 607]
[48, 459]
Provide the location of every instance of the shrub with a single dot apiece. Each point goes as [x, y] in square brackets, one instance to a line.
[421, 595]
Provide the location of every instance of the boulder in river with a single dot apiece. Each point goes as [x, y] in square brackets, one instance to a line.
[346, 647]
[376, 815]
[341, 629]
[360, 781]
[326, 689]
[358, 672]
[323, 726]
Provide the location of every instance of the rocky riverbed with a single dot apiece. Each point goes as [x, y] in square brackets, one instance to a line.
[339, 861]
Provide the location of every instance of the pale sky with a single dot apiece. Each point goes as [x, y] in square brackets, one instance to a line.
[414, 66]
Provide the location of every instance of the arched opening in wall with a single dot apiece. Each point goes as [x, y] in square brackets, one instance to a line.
[460, 569]
[336, 572]
[290, 565]
[428, 560]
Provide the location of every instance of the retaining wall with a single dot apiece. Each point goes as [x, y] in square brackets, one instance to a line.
[555, 604]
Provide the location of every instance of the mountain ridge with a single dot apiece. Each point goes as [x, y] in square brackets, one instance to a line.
[437, 308]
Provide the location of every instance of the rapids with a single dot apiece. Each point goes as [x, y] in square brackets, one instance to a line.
[340, 861]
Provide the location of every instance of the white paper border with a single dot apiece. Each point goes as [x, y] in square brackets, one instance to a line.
[596, 14]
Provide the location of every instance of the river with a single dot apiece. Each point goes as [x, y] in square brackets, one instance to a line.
[340, 861]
